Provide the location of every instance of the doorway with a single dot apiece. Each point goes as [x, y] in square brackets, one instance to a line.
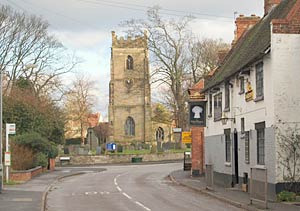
[236, 157]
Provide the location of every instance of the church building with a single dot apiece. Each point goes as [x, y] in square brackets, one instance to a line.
[129, 91]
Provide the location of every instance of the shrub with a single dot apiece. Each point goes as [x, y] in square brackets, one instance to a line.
[37, 143]
[33, 140]
[52, 151]
[286, 196]
[22, 157]
[153, 149]
[119, 148]
[73, 141]
[41, 159]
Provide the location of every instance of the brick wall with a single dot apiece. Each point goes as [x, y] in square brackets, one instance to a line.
[26, 175]
[198, 149]
[289, 25]
[269, 4]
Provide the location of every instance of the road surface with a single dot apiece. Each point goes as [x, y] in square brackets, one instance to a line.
[129, 187]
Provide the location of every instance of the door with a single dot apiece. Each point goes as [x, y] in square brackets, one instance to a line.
[236, 157]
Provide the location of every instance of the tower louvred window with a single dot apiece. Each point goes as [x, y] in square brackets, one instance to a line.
[129, 63]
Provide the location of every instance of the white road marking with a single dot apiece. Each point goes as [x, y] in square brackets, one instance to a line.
[22, 200]
[140, 204]
[126, 195]
[129, 197]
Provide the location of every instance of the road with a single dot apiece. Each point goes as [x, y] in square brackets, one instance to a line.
[129, 187]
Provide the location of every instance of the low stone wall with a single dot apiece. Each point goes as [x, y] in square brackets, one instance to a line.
[23, 176]
[105, 159]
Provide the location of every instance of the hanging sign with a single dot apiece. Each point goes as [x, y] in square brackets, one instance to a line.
[197, 113]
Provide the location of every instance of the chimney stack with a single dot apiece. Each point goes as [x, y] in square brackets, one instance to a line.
[243, 23]
[270, 4]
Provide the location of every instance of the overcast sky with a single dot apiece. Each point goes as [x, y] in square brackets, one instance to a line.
[85, 26]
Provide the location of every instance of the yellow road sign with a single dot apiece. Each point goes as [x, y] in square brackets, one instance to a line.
[186, 137]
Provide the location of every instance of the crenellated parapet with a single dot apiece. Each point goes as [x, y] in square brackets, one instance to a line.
[129, 42]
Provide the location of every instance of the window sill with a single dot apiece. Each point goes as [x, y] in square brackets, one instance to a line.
[217, 119]
[226, 109]
[258, 166]
[227, 164]
[260, 98]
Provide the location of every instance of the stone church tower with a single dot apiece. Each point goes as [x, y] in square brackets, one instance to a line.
[129, 90]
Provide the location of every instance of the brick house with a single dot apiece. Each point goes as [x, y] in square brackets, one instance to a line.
[253, 97]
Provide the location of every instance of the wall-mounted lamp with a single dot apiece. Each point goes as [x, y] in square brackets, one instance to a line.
[224, 119]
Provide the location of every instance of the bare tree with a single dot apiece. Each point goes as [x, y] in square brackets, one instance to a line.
[28, 50]
[79, 104]
[204, 56]
[168, 43]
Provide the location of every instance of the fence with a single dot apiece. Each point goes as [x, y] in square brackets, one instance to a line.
[259, 186]
[209, 176]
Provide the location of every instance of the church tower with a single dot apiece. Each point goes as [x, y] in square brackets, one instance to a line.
[129, 90]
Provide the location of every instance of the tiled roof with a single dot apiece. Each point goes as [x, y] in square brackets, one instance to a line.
[250, 47]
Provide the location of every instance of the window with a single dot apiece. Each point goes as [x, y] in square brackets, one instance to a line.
[227, 97]
[247, 147]
[159, 134]
[260, 131]
[259, 82]
[242, 85]
[210, 105]
[129, 127]
[218, 106]
[227, 145]
[129, 63]
[242, 125]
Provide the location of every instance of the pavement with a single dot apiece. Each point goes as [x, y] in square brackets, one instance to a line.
[232, 196]
[30, 196]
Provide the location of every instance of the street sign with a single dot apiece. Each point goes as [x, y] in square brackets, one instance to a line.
[111, 147]
[11, 129]
[7, 160]
[186, 137]
[177, 130]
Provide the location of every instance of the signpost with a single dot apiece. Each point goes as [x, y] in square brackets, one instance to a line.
[10, 130]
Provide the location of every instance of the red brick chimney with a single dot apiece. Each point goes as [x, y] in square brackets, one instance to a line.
[269, 4]
[244, 23]
[221, 55]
